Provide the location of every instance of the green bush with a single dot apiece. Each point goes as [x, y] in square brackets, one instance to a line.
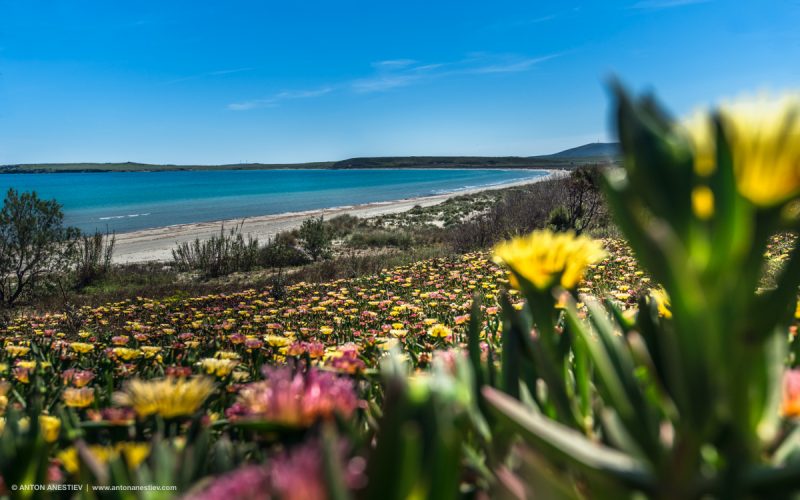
[380, 238]
[93, 258]
[221, 255]
[278, 253]
[316, 238]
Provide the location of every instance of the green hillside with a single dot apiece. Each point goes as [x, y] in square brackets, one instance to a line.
[588, 154]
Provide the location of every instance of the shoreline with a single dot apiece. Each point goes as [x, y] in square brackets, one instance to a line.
[156, 244]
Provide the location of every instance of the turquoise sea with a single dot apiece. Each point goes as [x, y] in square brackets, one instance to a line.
[128, 201]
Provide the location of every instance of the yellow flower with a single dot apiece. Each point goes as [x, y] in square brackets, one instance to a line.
[4, 387]
[440, 331]
[81, 347]
[277, 340]
[78, 398]
[217, 367]
[386, 344]
[698, 128]
[150, 351]
[326, 330]
[545, 258]
[168, 397]
[226, 355]
[133, 453]
[764, 135]
[662, 302]
[51, 427]
[31, 365]
[16, 351]
[703, 202]
[126, 354]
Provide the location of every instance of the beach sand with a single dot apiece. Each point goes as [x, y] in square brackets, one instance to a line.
[157, 244]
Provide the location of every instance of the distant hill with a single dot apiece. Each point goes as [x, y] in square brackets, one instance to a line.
[453, 162]
[570, 158]
[594, 149]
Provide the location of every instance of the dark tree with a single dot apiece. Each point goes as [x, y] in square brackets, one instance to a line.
[34, 244]
[583, 201]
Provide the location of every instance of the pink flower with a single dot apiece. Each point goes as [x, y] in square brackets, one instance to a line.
[791, 394]
[253, 344]
[298, 399]
[78, 378]
[296, 474]
[248, 482]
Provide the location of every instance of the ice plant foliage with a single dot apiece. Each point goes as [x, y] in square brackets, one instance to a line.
[557, 366]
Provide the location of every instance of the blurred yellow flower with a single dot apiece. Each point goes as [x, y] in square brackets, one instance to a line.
[662, 302]
[698, 129]
[703, 202]
[764, 135]
[545, 258]
[168, 397]
[4, 387]
[51, 427]
[133, 453]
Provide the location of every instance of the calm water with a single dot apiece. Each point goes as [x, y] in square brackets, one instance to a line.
[127, 201]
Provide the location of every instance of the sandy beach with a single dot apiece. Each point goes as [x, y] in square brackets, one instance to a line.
[157, 244]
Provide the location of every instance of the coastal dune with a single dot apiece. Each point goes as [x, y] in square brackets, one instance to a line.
[150, 245]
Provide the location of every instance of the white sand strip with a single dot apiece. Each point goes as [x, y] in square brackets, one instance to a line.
[157, 244]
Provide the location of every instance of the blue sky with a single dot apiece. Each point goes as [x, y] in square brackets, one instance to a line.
[261, 81]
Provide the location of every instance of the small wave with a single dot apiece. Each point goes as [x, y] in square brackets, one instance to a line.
[110, 217]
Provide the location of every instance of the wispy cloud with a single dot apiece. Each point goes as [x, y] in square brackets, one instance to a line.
[665, 4]
[393, 63]
[277, 98]
[228, 71]
[383, 82]
[527, 22]
[391, 77]
[513, 66]
[206, 74]
[395, 73]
